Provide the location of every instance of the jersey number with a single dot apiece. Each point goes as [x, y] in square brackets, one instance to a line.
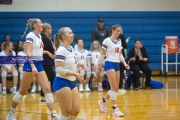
[96, 56]
[82, 57]
[75, 59]
[116, 49]
[41, 44]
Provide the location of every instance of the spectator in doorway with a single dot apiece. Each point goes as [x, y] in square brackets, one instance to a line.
[100, 32]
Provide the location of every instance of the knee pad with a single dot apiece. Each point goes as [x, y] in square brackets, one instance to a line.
[4, 74]
[17, 97]
[88, 74]
[15, 74]
[49, 98]
[112, 94]
[82, 73]
[20, 77]
[61, 117]
[101, 73]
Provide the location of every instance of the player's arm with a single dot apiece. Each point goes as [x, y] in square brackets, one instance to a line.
[62, 71]
[29, 53]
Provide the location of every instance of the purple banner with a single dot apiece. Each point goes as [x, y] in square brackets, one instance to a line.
[17, 59]
[5, 1]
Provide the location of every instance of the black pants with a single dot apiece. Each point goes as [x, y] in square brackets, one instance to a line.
[136, 73]
[50, 75]
[122, 68]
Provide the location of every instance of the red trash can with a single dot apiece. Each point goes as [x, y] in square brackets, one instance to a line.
[172, 43]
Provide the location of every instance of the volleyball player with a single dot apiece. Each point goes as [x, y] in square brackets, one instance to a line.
[33, 67]
[64, 84]
[111, 48]
[82, 57]
[9, 68]
[94, 55]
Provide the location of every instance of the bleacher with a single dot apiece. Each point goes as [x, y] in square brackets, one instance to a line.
[150, 27]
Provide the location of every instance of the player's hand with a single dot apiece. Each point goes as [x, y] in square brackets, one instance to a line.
[97, 71]
[81, 65]
[34, 70]
[79, 77]
[9, 70]
[126, 66]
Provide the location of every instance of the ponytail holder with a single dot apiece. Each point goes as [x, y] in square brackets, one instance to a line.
[29, 20]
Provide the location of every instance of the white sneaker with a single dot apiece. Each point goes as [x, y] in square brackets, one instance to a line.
[4, 92]
[39, 88]
[121, 91]
[10, 116]
[55, 116]
[117, 113]
[87, 88]
[81, 89]
[33, 89]
[14, 91]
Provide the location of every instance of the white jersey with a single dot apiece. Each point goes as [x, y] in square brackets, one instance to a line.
[70, 61]
[94, 56]
[82, 57]
[3, 53]
[37, 46]
[112, 49]
[23, 54]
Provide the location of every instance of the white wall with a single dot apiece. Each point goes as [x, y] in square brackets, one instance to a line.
[92, 5]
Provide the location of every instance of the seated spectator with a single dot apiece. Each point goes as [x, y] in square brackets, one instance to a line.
[9, 68]
[94, 55]
[19, 46]
[139, 61]
[21, 54]
[82, 57]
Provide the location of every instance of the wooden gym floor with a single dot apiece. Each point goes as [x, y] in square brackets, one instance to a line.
[155, 104]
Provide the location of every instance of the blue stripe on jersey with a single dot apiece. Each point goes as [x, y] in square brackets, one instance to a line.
[37, 35]
[89, 55]
[59, 57]
[103, 45]
[29, 39]
[113, 41]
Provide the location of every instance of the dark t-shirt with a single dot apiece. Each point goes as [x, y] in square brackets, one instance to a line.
[48, 47]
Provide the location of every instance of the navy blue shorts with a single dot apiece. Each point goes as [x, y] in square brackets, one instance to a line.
[111, 65]
[62, 82]
[38, 65]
